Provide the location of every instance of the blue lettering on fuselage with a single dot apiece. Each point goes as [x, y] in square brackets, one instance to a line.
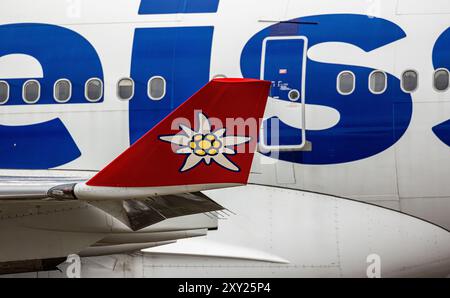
[369, 123]
[181, 56]
[62, 53]
[40, 146]
[178, 6]
[441, 59]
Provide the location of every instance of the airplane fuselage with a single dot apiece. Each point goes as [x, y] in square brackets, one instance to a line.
[359, 81]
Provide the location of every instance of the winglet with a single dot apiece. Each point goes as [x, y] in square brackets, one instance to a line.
[209, 140]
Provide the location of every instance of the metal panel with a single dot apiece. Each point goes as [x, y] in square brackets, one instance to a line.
[420, 7]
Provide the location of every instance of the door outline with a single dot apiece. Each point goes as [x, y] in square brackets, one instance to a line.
[304, 142]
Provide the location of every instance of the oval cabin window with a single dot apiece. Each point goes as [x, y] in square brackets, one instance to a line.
[4, 92]
[125, 89]
[441, 79]
[378, 82]
[31, 91]
[410, 81]
[94, 90]
[63, 91]
[346, 83]
[157, 88]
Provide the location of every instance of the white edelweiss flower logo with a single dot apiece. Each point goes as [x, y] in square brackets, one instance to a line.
[205, 145]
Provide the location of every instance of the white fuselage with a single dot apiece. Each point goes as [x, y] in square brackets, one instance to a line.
[408, 173]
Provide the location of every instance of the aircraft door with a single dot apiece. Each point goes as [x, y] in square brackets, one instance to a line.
[284, 64]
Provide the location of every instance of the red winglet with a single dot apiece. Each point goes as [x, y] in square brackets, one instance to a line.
[209, 139]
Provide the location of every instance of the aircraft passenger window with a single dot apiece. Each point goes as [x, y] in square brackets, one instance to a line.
[125, 89]
[410, 81]
[441, 79]
[157, 88]
[346, 83]
[94, 90]
[4, 92]
[378, 82]
[62, 91]
[31, 91]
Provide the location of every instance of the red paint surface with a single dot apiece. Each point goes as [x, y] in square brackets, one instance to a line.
[151, 162]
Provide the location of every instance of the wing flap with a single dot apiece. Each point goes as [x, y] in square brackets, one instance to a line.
[139, 214]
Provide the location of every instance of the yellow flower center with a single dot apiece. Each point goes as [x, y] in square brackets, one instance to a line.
[205, 145]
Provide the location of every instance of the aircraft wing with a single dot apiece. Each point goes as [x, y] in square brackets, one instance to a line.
[162, 175]
[135, 213]
[149, 195]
